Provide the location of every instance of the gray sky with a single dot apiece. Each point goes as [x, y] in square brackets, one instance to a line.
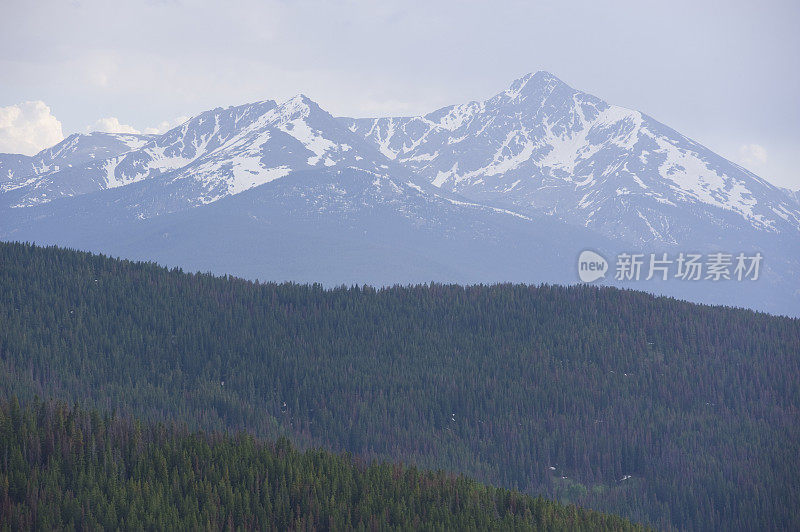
[724, 73]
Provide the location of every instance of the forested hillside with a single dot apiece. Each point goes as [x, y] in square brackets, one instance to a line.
[662, 411]
[67, 469]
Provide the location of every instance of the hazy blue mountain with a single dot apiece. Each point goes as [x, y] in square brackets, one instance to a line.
[331, 226]
[509, 189]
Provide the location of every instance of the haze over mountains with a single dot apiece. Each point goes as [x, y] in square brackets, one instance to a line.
[511, 188]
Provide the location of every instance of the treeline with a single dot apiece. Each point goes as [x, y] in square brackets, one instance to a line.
[665, 412]
[70, 469]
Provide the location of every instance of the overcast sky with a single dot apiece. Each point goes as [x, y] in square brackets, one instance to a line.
[724, 73]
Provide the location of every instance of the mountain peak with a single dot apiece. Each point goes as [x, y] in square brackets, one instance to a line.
[300, 106]
[530, 83]
[540, 75]
[300, 100]
[80, 147]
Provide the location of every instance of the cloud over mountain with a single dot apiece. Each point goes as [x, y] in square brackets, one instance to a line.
[111, 124]
[28, 127]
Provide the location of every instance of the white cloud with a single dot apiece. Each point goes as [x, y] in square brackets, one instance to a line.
[111, 124]
[752, 155]
[28, 128]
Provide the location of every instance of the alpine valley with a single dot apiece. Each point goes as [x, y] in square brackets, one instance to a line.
[511, 188]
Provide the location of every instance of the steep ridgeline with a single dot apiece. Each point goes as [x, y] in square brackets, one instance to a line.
[664, 412]
[68, 469]
[541, 146]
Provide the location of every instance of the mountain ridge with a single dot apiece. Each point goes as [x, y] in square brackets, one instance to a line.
[592, 153]
[572, 160]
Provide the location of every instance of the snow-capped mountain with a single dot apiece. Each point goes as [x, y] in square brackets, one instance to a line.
[215, 154]
[543, 147]
[77, 150]
[512, 188]
[538, 147]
